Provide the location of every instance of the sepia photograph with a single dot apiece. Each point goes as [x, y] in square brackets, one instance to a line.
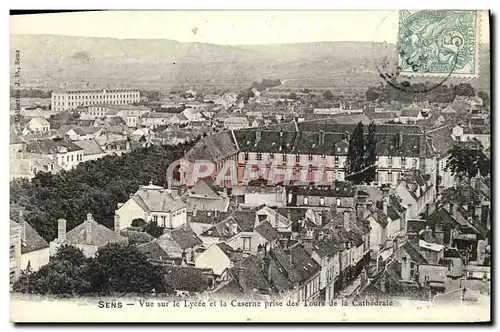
[250, 166]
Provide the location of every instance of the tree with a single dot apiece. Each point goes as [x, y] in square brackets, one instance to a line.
[372, 94]
[123, 269]
[328, 95]
[485, 97]
[355, 153]
[138, 222]
[464, 89]
[153, 229]
[468, 162]
[371, 154]
[292, 95]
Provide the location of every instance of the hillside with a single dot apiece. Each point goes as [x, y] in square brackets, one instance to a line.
[49, 61]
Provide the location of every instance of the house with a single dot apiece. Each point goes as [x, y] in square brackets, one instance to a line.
[153, 203]
[411, 115]
[89, 236]
[35, 250]
[416, 191]
[442, 143]
[155, 254]
[155, 119]
[270, 196]
[38, 124]
[178, 119]
[62, 151]
[32, 164]
[193, 115]
[206, 195]
[17, 145]
[242, 230]
[339, 195]
[15, 251]
[398, 277]
[91, 150]
[480, 133]
[181, 242]
[276, 274]
[144, 134]
[236, 122]
[188, 281]
[80, 133]
[219, 257]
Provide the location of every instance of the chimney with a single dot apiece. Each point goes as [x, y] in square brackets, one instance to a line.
[258, 135]
[117, 224]
[22, 223]
[321, 137]
[61, 230]
[88, 229]
[347, 220]
[383, 282]
[234, 228]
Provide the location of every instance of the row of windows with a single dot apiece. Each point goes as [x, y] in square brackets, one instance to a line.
[91, 97]
[79, 157]
[305, 201]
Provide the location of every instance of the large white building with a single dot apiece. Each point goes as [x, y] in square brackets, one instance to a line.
[71, 99]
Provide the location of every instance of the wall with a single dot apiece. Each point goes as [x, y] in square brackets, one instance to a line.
[36, 259]
[213, 258]
[128, 212]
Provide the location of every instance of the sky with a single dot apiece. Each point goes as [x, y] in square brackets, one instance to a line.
[221, 27]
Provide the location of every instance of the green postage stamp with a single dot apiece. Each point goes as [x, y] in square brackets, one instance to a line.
[438, 42]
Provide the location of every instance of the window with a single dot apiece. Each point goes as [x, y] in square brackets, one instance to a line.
[389, 161]
[271, 156]
[414, 165]
[389, 176]
[155, 218]
[247, 243]
[246, 155]
[259, 156]
[310, 157]
[283, 157]
[306, 200]
[297, 158]
[403, 162]
[336, 161]
[12, 250]
[337, 201]
[321, 201]
[412, 269]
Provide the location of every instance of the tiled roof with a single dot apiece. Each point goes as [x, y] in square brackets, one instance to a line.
[100, 235]
[192, 279]
[49, 146]
[337, 189]
[411, 112]
[213, 147]
[137, 237]
[154, 251]
[267, 231]
[441, 140]
[90, 147]
[185, 237]
[157, 199]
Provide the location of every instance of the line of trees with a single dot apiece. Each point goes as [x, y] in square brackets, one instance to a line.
[116, 269]
[409, 92]
[30, 93]
[362, 155]
[95, 186]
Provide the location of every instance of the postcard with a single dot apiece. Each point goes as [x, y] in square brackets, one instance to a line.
[250, 166]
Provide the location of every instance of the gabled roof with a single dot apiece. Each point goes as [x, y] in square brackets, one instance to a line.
[50, 146]
[213, 147]
[191, 279]
[154, 251]
[90, 147]
[30, 239]
[185, 237]
[100, 235]
[157, 199]
[267, 231]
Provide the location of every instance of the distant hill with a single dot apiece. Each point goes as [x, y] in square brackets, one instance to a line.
[52, 60]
